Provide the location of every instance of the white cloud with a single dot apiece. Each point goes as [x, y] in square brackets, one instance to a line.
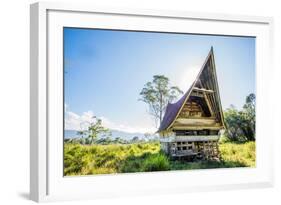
[74, 121]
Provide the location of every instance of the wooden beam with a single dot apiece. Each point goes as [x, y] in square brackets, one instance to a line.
[195, 121]
[190, 138]
[203, 90]
[209, 104]
[214, 127]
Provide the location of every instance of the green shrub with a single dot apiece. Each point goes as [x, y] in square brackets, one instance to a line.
[131, 164]
[224, 139]
[156, 162]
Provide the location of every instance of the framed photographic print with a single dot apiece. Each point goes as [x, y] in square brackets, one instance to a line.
[127, 102]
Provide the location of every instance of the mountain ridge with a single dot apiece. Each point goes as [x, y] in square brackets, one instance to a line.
[70, 134]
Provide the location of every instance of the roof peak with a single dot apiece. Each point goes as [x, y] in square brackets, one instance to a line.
[173, 109]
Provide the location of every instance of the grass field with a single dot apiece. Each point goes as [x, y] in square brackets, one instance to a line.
[144, 157]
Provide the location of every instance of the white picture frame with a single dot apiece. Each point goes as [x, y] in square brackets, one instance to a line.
[46, 177]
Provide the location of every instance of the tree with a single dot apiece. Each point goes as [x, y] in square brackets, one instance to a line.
[157, 94]
[81, 133]
[94, 129]
[233, 122]
[135, 139]
[240, 125]
[250, 115]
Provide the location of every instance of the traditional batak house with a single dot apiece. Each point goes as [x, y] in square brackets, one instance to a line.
[191, 127]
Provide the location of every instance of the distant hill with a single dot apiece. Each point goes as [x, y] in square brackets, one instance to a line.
[69, 134]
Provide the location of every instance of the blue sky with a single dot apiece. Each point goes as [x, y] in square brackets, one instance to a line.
[105, 71]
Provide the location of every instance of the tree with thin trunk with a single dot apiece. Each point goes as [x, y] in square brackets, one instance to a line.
[157, 94]
[94, 129]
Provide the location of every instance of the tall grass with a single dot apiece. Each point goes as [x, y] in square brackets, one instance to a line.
[103, 159]
[239, 153]
[146, 162]
[143, 157]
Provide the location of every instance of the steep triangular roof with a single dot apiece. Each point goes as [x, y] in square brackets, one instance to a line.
[173, 109]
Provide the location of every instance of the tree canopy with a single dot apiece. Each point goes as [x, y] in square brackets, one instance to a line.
[240, 124]
[94, 129]
[157, 94]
